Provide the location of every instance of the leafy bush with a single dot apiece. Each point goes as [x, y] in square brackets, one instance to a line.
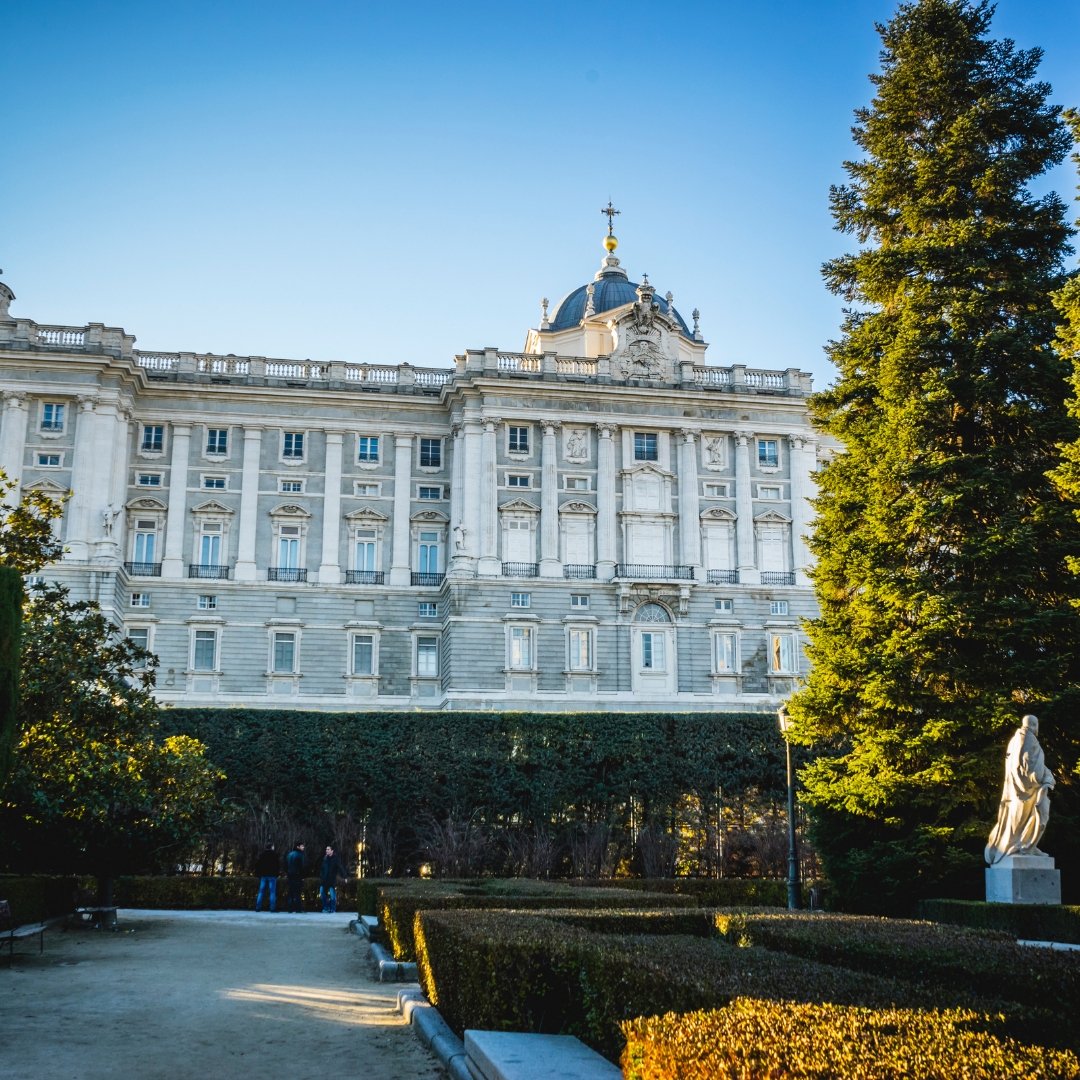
[215, 893]
[976, 961]
[760, 1040]
[520, 971]
[1032, 922]
[398, 908]
[710, 892]
[38, 897]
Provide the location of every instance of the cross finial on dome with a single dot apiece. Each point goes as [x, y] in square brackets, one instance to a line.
[611, 212]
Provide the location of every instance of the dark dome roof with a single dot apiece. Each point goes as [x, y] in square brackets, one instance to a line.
[611, 290]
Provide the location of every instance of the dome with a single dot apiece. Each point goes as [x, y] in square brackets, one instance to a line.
[611, 289]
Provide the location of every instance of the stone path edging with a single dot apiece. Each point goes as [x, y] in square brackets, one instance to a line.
[434, 1032]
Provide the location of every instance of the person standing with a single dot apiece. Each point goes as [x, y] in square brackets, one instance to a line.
[329, 873]
[294, 868]
[267, 866]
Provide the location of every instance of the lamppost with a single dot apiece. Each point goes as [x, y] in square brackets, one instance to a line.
[794, 893]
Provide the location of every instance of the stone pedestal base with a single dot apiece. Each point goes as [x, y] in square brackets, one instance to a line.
[1023, 879]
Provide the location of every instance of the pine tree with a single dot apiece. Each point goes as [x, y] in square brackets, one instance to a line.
[946, 607]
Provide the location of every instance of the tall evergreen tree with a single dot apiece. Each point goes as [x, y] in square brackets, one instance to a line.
[946, 607]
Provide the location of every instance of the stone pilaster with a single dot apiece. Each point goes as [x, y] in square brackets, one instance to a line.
[330, 570]
[689, 520]
[458, 558]
[744, 508]
[246, 569]
[400, 570]
[550, 564]
[605, 502]
[172, 565]
[13, 439]
[82, 481]
[803, 455]
[489, 499]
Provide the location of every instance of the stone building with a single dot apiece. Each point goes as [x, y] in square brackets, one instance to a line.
[601, 521]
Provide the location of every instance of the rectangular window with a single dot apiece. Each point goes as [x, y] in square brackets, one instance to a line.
[724, 607]
[210, 546]
[519, 440]
[215, 482]
[52, 417]
[520, 599]
[716, 491]
[521, 647]
[294, 445]
[645, 446]
[207, 603]
[767, 455]
[431, 493]
[427, 657]
[367, 491]
[725, 652]
[153, 439]
[363, 654]
[579, 600]
[149, 480]
[427, 609]
[768, 493]
[652, 651]
[205, 650]
[289, 547]
[368, 448]
[576, 483]
[140, 636]
[140, 599]
[144, 543]
[285, 653]
[783, 653]
[581, 650]
[431, 453]
[293, 486]
[365, 549]
[217, 440]
[429, 553]
[778, 607]
[517, 481]
[48, 460]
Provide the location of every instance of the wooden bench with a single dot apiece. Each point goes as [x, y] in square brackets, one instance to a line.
[88, 914]
[10, 933]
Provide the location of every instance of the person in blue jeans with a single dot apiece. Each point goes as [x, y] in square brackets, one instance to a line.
[267, 866]
[329, 873]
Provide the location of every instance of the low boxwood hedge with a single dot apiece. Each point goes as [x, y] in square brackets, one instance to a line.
[761, 1040]
[710, 892]
[38, 896]
[220, 893]
[522, 971]
[1033, 922]
[980, 962]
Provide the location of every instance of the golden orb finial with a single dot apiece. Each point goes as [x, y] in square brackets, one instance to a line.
[611, 242]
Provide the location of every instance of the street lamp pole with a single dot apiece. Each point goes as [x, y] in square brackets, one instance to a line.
[794, 892]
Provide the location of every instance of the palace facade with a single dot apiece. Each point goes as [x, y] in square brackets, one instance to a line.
[601, 521]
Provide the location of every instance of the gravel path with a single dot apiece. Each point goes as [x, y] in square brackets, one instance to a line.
[179, 995]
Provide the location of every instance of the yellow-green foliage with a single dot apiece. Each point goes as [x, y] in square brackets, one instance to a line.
[764, 1040]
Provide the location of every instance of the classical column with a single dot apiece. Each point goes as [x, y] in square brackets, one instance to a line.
[400, 570]
[330, 570]
[249, 506]
[13, 440]
[744, 507]
[689, 519]
[489, 499]
[82, 481]
[803, 456]
[172, 565]
[110, 447]
[457, 559]
[550, 565]
[118, 484]
[470, 522]
[605, 502]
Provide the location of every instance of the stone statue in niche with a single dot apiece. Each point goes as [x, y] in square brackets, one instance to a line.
[714, 451]
[577, 449]
[1025, 797]
[459, 539]
[108, 520]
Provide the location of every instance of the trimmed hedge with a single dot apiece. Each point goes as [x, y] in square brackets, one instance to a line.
[979, 962]
[397, 909]
[710, 892]
[761, 1040]
[38, 897]
[215, 893]
[1032, 922]
[518, 971]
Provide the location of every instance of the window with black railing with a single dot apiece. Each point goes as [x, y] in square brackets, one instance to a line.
[520, 569]
[723, 577]
[427, 579]
[641, 570]
[214, 571]
[364, 577]
[777, 577]
[579, 571]
[286, 573]
[143, 569]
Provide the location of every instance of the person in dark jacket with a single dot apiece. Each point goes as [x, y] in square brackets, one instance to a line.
[294, 868]
[267, 866]
[329, 873]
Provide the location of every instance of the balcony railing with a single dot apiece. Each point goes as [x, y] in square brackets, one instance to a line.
[669, 573]
[286, 573]
[427, 579]
[143, 569]
[208, 570]
[364, 577]
[519, 362]
[723, 577]
[60, 335]
[520, 569]
[579, 571]
[773, 577]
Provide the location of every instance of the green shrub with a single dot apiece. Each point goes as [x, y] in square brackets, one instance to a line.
[11, 626]
[710, 892]
[38, 897]
[980, 962]
[521, 971]
[761, 1040]
[398, 908]
[215, 893]
[1031, 922]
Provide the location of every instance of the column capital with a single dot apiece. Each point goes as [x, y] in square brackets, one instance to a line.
[491, 422]
[744, 438]
[689, 434]
[606, 430]
[401, 439]
[253, 431]
[337, 434]
[551, 426]
[15, 399]
[182, 429]
[86, 402]
[457, 428]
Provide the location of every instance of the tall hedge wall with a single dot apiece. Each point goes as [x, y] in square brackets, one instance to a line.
[532, 767]
[11, 602]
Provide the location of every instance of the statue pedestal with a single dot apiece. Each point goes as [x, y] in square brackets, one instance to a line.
[1023, 879]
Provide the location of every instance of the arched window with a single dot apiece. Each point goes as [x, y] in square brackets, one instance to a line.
[651, 613]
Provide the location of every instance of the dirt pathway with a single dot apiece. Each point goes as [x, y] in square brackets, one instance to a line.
[204, 995]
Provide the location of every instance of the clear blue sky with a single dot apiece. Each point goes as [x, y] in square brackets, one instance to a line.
[391, 182]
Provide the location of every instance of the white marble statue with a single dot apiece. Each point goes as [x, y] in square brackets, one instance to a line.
[1025, 798]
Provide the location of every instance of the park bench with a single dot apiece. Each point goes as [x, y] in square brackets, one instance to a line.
[10, 932]
[88, 914]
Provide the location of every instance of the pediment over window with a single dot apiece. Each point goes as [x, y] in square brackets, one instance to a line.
[211, 507]
[47, 487]
[772, 517]
[520, 506]
[289, 510]
[434, 516]
[647, 467]
[577, 508]
[718, 513]
[366, 513]
[147, 503]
